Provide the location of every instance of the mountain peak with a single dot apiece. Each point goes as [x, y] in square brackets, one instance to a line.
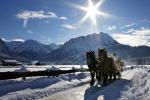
[78, 46]
[101, 39]
[31, 41]
[101, 34]
[1, 40]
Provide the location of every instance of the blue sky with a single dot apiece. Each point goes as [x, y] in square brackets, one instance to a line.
[49, 21]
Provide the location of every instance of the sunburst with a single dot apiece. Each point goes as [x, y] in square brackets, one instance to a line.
[92, 11]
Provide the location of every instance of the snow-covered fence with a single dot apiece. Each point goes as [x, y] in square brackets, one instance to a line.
[12, 75]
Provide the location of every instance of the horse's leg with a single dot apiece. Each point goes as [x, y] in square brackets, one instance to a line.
[118, 74]
[114, 75]
[105, 79]
[107, 74]
[92, 78]
[97, 75]
[94, 72]
[110, 76]
[90, 73]
[100, 76]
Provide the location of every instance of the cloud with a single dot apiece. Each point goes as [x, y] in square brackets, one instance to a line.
[110, 28]
[26, 15]
[127, 25]
[29, 31]
[63, 18]
[145, 20]
[135, 38]
[130, 30]
[68, 26]
[19, 40]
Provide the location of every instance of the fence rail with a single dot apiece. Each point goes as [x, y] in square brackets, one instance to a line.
[13, 75]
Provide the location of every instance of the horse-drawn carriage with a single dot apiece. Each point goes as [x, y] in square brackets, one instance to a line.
[103, 67]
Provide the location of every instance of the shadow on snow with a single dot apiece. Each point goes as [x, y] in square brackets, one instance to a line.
[109, 92]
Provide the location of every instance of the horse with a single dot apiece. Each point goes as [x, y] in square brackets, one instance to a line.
[119, 67]
[102, 66]
[91, 62]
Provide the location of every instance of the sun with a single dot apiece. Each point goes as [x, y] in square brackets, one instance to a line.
[92, 11]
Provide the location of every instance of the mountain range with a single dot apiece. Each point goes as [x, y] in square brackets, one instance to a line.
[31, 49]
[72, 51]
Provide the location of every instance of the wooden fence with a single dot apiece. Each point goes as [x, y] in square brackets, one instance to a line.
[13, 75]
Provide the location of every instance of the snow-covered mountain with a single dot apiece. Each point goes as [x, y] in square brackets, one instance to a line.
[73, 51]
[32, 49]
[7, 53]
[90, 42]
[29, 49]
[3, 46]
[13, 44]
[53, 46]
[4, 50]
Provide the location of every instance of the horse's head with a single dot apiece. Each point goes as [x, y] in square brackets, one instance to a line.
[91, 59]
[102, 54]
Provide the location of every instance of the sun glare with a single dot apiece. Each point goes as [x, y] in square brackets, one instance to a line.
[92, 11]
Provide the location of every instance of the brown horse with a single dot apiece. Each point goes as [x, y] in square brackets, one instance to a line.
[102, 66]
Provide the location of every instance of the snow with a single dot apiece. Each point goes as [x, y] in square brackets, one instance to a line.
[133, 85]
[53, 68]
[140, 87]
[22, 69]
[39, 87]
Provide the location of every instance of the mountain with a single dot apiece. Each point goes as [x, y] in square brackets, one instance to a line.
[13, 44]
[7, 53]
[73, 51]
[53, 46]
[4, 50]
[3, 46]
[23, 51]
[32, 49]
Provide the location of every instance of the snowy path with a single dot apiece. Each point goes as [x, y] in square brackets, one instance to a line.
[134, 85]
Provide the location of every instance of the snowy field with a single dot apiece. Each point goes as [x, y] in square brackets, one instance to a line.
[134, 85]
[40, 68]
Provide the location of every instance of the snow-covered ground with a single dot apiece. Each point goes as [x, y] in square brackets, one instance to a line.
[134, 85]
[39, 87]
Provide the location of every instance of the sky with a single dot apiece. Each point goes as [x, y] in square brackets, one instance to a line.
[57, 21]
